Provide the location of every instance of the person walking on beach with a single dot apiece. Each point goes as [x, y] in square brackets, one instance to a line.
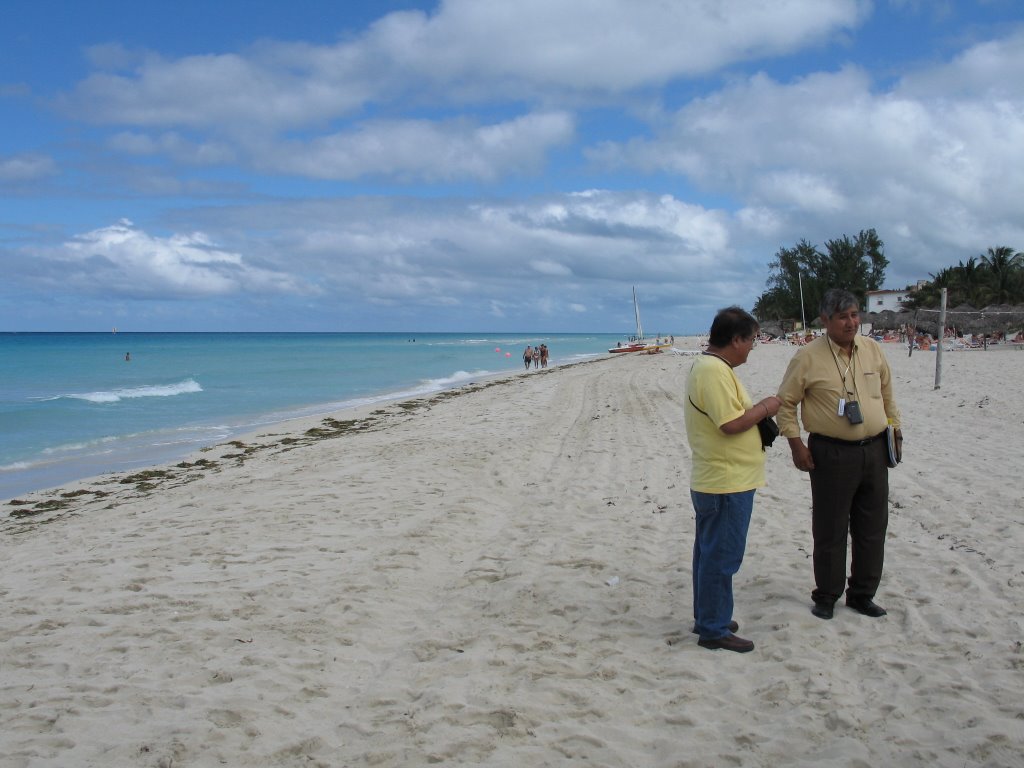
[528, 356]
[543, 355]
[727, 468]
[843, 385]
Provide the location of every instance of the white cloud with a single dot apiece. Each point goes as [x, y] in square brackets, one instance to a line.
[257, 100]
[807, 192]
[605, 46]
[26, 167]
[478, 92]
[428, 253]
[547, 267]
[266, 90]
[421, 149]
[989, 70]
[829, 154]
[761, 221]
[125, 261]
[174, 145]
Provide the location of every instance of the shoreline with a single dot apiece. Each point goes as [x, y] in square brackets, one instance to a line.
[40, 476]
[500, 576]
[75, 408]
[293, 432]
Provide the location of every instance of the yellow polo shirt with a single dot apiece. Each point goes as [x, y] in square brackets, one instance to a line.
[720, 463]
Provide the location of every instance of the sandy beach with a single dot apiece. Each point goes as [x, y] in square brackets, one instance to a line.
[499, 576]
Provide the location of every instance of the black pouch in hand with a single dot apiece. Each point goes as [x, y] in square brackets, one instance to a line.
[769, 431]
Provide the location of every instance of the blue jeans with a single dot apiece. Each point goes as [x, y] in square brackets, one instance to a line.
[722, 523]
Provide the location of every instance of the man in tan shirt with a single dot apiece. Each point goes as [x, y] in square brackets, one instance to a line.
[843, 385]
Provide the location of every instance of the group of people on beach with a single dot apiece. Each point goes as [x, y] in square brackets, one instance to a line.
[536, 356]
[842, 385]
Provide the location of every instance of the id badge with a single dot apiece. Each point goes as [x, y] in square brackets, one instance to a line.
[842, 407]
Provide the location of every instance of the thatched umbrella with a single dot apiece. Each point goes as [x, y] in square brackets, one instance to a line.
[882, 321]
[966, 319]
[778, 328]
[997, 317]
[888, 320]
[927, 322]
[772, 328]
[960, 318]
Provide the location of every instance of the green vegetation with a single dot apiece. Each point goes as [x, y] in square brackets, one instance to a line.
[856, 264]
[995, 277]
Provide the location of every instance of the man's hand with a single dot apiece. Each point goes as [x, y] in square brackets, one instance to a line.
[802, 458]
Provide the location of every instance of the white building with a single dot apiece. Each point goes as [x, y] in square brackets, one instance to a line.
[879, 301]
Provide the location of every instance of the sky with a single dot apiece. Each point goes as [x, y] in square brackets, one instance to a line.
[487, 165]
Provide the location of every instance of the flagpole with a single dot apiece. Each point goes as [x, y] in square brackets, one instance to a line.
[803, 317]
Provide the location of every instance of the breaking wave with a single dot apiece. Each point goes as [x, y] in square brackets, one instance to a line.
[189, 386]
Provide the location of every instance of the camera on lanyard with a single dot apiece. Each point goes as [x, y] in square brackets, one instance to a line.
[853, 414]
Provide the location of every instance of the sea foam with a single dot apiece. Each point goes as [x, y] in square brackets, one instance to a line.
[189, 386]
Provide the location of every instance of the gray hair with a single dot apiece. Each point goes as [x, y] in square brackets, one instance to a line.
[837, 300]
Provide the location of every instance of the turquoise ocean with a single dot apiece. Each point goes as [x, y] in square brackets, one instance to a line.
[72, 406]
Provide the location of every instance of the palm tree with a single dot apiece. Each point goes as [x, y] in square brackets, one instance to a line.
[944, 278]
[970, 281]
[1004, 268]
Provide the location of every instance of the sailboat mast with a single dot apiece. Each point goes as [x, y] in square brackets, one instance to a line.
[636, 311]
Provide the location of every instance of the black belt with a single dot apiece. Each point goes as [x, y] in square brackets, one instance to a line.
[854, 443]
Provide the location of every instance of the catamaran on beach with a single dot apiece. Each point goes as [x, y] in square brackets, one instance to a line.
[638, 343]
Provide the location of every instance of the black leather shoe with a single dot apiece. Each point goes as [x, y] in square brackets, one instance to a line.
[865, 606]
[733, 627]
[729, 643]
[823, 610]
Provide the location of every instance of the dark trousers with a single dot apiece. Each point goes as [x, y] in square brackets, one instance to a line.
[850, 497]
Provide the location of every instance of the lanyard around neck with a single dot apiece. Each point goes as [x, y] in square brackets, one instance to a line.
[715, 354]
[851, 367]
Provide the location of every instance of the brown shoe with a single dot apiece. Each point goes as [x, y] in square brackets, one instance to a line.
[730, 643]
[733, 627]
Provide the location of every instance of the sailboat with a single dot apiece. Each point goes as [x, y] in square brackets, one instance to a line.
[638, 343]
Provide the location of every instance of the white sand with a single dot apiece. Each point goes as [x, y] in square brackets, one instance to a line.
[440, 587]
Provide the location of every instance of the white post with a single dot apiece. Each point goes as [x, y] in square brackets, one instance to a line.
[942, 336]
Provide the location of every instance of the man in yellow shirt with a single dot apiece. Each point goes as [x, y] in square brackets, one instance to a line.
[727, 467]
[843, 385]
